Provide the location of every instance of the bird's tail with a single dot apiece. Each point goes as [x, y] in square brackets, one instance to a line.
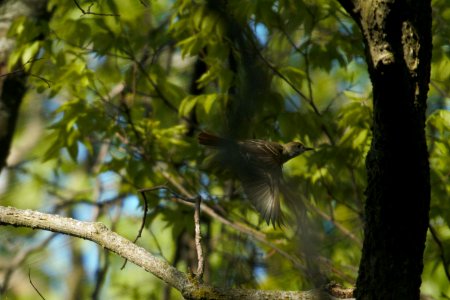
[207, 139]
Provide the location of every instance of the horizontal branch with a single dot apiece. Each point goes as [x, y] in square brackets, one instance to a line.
[103, 236]
[99, 234]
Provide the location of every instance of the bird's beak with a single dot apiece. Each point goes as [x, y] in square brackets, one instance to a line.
[309, 149]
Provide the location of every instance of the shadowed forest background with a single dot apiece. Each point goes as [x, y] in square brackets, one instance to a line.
[111, 98]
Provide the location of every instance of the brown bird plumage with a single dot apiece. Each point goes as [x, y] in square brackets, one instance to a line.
[258, 165]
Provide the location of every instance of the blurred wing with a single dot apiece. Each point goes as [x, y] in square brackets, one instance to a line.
[294, 203]
[257, 164]
[262, 189]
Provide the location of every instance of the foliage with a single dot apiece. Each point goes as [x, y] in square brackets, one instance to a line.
[119, 116]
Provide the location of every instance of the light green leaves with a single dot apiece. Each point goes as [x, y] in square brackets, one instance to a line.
[205, 102]
[198, 28]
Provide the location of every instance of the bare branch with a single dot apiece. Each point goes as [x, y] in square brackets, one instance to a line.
[198, 239]
[144, 218]
[100, 234]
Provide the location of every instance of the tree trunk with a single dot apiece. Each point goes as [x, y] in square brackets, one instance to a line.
[397, 37]
[12, 82]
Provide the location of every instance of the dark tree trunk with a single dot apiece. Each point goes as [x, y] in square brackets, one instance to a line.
[12, 92]
[397, 37]
[12, 83]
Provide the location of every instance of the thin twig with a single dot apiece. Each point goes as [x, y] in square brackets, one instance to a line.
[29, 278]
[16, 261]
[144, 3]
[22, 70]
[178, 185]
[198, 239]
[285, 79]
[332, 196]
[100, 275]
[309, 99]
[340, 227]
[69, 202]
[89, 12]
[47, 82]
[156, 87]
[190, 199]
[144, 219]
[157, 245]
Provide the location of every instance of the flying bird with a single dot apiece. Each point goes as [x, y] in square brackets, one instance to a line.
[258, 165]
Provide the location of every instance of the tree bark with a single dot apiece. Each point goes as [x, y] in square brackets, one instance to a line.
[397, 38]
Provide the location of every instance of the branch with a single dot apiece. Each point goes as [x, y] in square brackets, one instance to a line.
[198, 239]
[89, 12]
[292, 85]
[156, 87]
[21, 70]
[34, 287]
[340, 227]
[98, 233]
[101, 235]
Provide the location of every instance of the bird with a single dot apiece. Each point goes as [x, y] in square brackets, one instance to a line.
[258, 164]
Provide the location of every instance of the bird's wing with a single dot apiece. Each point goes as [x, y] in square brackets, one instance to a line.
[258, 165]
[263, 191]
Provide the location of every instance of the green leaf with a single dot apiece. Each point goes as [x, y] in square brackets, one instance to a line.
[187, 105]
[295, 75]
[191, 45]
[440, 120]
[30, 52]
[208, 102]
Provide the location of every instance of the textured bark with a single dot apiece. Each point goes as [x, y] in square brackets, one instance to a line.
[397, 37]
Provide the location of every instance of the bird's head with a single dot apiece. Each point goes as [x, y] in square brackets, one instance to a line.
[293, 149]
